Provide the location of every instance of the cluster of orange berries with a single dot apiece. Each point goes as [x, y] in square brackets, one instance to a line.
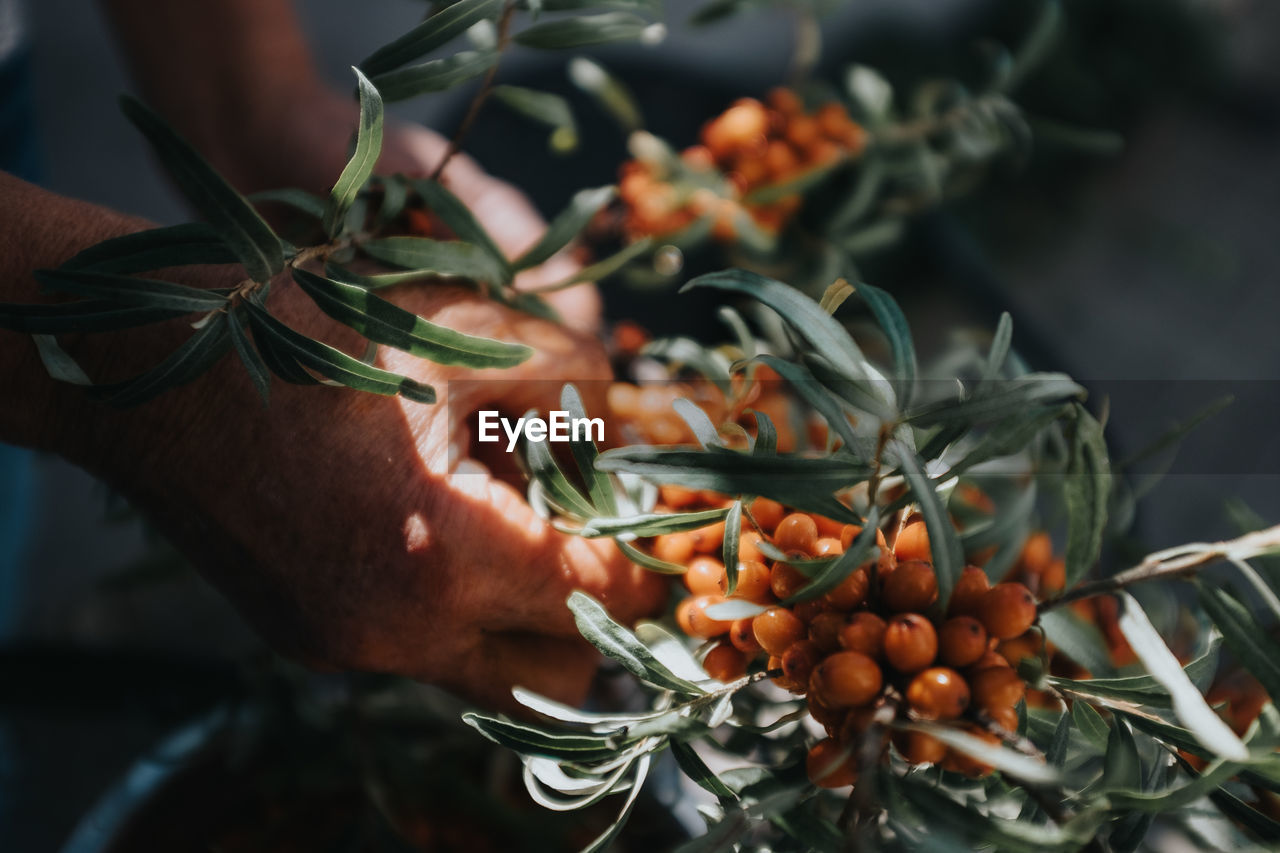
[875, 638]
[751, 144]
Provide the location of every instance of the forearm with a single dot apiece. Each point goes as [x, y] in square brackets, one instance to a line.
[228, 74]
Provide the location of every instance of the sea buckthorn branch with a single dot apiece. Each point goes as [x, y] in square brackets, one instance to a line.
[1181, 561]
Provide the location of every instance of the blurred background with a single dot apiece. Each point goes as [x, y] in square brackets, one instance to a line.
[1149, 275]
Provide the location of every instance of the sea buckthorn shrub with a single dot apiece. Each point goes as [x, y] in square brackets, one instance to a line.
[882, 625]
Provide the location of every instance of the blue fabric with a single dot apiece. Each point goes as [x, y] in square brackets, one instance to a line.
[19, 155]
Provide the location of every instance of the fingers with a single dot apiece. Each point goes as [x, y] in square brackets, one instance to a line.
[559, 669]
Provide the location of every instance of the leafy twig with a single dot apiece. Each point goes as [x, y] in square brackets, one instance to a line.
[1176, 562]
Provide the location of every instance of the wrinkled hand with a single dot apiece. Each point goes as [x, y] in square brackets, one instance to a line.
[342, 524]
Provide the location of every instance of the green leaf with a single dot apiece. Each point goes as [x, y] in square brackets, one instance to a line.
[823, 333]
[435, 257]
[599, 486]
[606, 838]
[1139, 689]
[891, 319]
[544, 108]
[616, 642]
[860, 551]
[1189, 706]
[1023, 767]
[435, 75]
[460, 220]
[1086, 487]
[604, 268]
[545, 470]
[999, 348]
[531, 740]
[583, 31]
[1122, 768]
[328, 362]
[1175, 798]
[1090, 723]
[648, 561]
[196, 355]
[822, 401]
[253, 363]
[302, 201]
[1079, 640]
[1249, 642]
[729, 548]
[244, 232]
[993, 402]
[948, 557]
[766, 435]
[795, 481]
[58, 363]
[385, 323]
[128, 290]
[566, 226]
[436, 31]
[1007, 437]
[88, 315]
[608, 92]
[699, 423]
[652, 524]
[156, 248]
[360, 166]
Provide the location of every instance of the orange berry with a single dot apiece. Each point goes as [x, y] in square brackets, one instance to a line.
[913, 543]
[910, 642]
[832, 119]
[1005, 718]
[830, 719]
[919, 747]
[1026, 645]
[830, 765]
[785, 101]
[802, 132]
[748, 547]
[742, 126]
[1054, 578]
[938, 693]
[786, 580]
[691, 616]
[846, 680]
[971, 586]
[827, 547]
[912, 586]
[673, 547]
[824, 630]
[754, 583]
[743, 636]
[1007, 610]
[807, 611]
[709, 539]
[865, 634]
[777, 628]
[828, 527]
[1037, 553]
[698, 158]
[850, 592]
[799, 660]
[780, 160]
[996, 688]
[725, 663]
[796, 532]
[705, 576]
[767, 513]
[678, 497]
[990, 660]
[961, 641]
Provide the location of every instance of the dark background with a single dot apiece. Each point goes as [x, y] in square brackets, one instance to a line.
[1149, 276]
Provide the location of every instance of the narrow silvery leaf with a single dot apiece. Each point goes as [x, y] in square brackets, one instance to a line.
[583, 31]
[894, 324]
[360, 166]
[259, 374]
[860, 551]
[1023, 767]
[303, 202]
[381, 321]
[87, 315]
[241, 228]
[1247, 639]
[566, 226]
[531, 740]
[425, 256]
[543, 107]
[948, 558]
[1087, 487]
[128, 290]
[615, 641]
[1189, 706]
[156, 248]
[196, 355]
[435, 75]
[436, 31]
[461, 222]
[652, 524]
[729, 548]
[585, 451]
[58, 362]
